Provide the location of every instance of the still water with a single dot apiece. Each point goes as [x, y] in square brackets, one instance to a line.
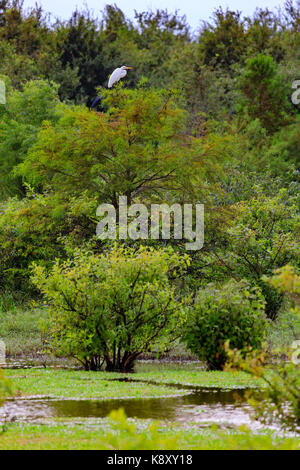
[203, 407]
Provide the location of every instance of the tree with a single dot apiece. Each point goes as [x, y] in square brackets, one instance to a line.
[292, 14]
[224, 42]
[80, 49]
[112, 307]
[27, 30]
[20, 122]
[259, 238]
[265, 34]
[138, 148]
[265, 94]
[35, 228]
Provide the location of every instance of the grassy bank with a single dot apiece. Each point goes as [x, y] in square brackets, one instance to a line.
[82, 384]
[19, 329]
[141, 435]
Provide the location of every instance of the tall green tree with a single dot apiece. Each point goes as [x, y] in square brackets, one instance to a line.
[138, 148]
[264, 93]
[20, 121]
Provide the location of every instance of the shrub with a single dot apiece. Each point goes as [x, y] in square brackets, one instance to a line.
[112, 307]
[279, 400]
[233, 313]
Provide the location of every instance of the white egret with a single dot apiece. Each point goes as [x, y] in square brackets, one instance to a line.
[117, 74]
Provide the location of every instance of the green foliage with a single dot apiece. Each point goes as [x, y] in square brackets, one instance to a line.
[128, 436]
[224, 42]
[112, 306]
[81, 51]
[265, 95]
[279, 399]
[138, 148]
[232, 314]
[287, 280]
[20, 121]
[107, 154]
[265, 34]
[284, 150]
[34, 229]
[259, 238]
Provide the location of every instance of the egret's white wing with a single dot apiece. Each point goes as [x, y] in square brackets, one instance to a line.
[115, 77]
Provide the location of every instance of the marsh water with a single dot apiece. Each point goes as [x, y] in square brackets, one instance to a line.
[216, 406]
[204, 406]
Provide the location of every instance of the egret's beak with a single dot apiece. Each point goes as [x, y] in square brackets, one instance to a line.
[128, 68]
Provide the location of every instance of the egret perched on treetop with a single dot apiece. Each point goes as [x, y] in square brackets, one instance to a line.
[117, 74]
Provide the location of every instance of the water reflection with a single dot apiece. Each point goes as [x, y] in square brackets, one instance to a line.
[216, 406]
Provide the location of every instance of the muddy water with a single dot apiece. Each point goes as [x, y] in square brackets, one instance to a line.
[206, 406]
[202, 406]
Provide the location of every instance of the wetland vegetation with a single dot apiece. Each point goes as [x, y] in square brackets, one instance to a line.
[108, 342]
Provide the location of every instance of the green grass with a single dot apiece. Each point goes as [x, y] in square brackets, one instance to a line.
[142, 435]
[82, 384]
[19, 329]
[194, 375]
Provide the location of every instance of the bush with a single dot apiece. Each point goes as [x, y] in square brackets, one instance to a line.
[233, 313]
[279, 400]
[112, 307]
